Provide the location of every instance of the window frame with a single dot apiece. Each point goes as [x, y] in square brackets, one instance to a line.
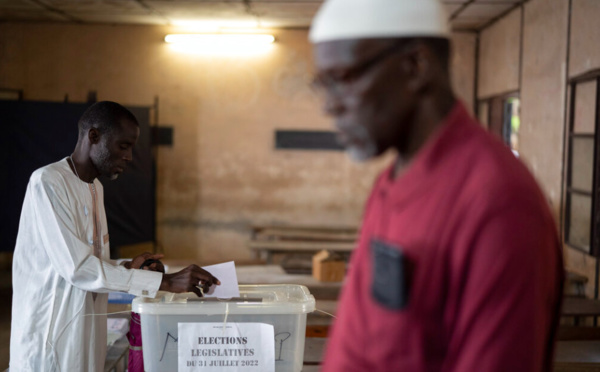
[594, 194]
[497, 123]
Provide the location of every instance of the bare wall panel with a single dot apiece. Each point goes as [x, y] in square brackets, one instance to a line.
[499, 52]
[585, 36]
[463, 67]
[543, 93]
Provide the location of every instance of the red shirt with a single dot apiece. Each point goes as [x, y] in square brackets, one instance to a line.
[482, 257]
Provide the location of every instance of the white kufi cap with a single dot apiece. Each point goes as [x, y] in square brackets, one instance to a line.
[360, 19]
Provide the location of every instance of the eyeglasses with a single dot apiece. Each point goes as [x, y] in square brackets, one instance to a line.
[338, 84]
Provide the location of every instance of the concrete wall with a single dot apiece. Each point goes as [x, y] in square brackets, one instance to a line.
[463, 66]
[543, 94]
[585, 34]
[222, 173]
[499, 55]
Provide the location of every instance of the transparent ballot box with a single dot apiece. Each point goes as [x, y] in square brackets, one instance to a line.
[283, 306]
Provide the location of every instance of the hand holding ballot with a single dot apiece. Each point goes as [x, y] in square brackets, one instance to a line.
[189, 280]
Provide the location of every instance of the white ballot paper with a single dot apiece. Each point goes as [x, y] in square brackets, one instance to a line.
[232, 347]
[225, 272]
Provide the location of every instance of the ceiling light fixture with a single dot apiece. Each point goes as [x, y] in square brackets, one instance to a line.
[221, 43]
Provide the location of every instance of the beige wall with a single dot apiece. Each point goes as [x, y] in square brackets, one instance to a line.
[585, 35]
[222, 173]
[543, 94]
[499, 55]
[463, 66]
[543, 87]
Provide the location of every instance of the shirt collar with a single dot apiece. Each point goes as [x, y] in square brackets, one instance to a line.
[450, 133]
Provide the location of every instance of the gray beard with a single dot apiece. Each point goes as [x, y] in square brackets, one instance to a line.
[366, 151]
[367, 148]
[361, 154]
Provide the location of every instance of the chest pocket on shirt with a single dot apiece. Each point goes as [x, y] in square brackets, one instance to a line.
[390, 275]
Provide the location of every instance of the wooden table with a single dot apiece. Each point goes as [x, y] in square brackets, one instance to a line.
[302, 234]
[307, 228]
[575, 284]
[306, 368]
[570, 356]
[577, 356]
[577, 306]
[313, 350]
[269, 247]
[301, 239]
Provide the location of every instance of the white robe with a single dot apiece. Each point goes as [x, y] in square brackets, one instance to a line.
[55, 274]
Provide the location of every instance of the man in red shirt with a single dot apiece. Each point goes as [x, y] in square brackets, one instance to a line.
[458, 266]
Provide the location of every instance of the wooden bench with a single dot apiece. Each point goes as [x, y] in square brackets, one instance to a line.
[307, 234]
[580, 307]
[575, 284]
[269, 240]
[577, 356]
[570, 356]
[576, 333]
[577, 307]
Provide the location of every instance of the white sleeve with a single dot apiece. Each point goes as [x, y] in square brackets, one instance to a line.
[71, 257]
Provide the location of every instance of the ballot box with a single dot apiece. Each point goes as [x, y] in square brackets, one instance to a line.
[268, 319]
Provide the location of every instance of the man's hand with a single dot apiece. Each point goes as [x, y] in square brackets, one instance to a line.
[138, 261]
[188, 280]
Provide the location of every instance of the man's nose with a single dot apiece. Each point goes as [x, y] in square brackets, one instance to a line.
[128, 155]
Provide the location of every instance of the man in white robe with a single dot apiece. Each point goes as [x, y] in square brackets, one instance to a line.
[62, 271]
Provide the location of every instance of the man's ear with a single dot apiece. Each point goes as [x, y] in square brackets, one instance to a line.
[94, 136]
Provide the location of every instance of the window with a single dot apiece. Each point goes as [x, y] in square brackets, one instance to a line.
[581, 227]
[512, 123]
[501, 116]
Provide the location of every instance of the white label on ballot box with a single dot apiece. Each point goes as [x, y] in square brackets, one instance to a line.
[239, 347]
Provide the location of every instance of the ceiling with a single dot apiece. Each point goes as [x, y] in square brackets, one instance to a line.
[465, 15]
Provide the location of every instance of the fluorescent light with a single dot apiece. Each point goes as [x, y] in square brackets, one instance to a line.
[220, 39]
[221, 43]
